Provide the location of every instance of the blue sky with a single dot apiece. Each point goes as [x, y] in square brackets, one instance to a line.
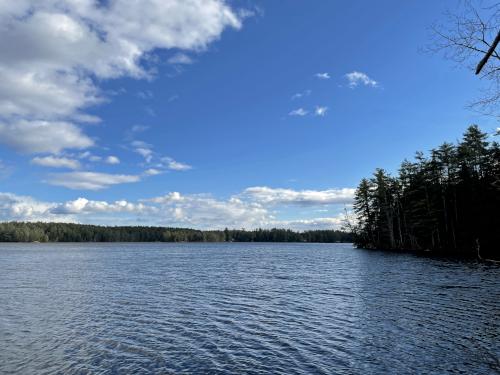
[213, 114]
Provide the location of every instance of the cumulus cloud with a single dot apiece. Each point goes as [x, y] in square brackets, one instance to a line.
[85, 206]
[90, 180]
[322, 223]
[206, 212]
[201, 211]
[36, 92]
[323, 75]
[172, 209]
[25, 208]
[298, 112]
[56, 162]
[54, 52]
[43, 136]
[358, 78]
[267, 195]
[320, 111]
[112, 160]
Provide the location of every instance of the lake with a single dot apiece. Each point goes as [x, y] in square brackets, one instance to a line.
[244, 308]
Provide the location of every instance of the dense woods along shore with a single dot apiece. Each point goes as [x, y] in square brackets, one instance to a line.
[66, 232]
[447, 201]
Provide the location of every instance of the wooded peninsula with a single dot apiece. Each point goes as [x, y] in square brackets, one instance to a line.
[67, 232]
[448, 201]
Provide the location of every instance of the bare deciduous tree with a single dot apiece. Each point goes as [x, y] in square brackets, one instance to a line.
[471, 37]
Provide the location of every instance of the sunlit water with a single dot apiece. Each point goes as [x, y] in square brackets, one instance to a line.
[244, 309]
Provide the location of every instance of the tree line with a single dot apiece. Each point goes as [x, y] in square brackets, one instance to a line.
[447, 201]
[67, 232]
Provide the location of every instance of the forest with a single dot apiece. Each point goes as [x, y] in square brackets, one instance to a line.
[67, 232]
[447, 201]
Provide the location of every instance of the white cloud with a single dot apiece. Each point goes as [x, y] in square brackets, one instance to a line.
[323, 75]
[146, 153]
[162, 162]
[177, 166]
[301, 94]
[202, 211]
[267, 195]
[310, 224]
[180, 59]
[172, 209]
[170, 163]
[298, 112]
[89, 156]
[359, 78]
[55, 51]
[43, 136]
[112, 160]
[320, 111]
[90, 180]
[152, 172]
[36, 92]
[95, 158]
[56, 162]
[85, 206]
[24, 208]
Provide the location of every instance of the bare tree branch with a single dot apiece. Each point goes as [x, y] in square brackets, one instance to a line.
[484, 60]
[470, 37]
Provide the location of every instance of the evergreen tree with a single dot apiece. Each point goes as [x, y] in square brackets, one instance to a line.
[447, 202]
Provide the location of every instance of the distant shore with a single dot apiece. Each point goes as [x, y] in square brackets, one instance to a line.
[41, 232]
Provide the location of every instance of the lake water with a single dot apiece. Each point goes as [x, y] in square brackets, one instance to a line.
[244, 309]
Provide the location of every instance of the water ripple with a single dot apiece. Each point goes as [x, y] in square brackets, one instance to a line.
[243, 309]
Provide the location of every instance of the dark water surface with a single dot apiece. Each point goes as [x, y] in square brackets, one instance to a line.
[244, 308]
